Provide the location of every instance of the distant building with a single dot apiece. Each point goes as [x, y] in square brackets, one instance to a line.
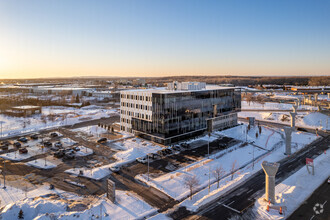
[24, 110]
[180, 111]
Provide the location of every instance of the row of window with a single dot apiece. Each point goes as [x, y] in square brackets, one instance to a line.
[136, 97]
[136, 115]
[137, 106]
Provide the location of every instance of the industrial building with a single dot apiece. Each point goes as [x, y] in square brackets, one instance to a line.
[178, 112]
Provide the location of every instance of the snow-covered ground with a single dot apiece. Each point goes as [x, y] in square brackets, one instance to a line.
[272, 140]
[294, 190]
[128, 206]
[94, 131]
[274, 105]
[52, 116]
[49, 163]
[310, 120]
[33, 147]
[84, 151]
[132, 149]
[173, 183]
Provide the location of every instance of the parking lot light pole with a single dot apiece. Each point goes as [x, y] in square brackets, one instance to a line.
[148, 166]
[4, 175]
[208, 146]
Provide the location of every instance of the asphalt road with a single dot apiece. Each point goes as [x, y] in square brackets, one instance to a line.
[238, 200]
[320, 196]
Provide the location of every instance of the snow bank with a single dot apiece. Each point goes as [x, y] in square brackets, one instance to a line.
[293, 191]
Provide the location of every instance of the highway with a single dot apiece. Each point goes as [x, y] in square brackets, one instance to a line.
[320, 196]
[238, 200]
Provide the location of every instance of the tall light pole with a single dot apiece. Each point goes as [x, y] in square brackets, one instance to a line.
[1, 127]
[148, 166]
[208, 146]
[4, 175]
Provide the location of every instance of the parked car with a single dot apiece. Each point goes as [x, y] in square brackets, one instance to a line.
[4, 147]
[23, 151]
[5, 143]
[53, 148]
[17, 144]
[142, 160]
[114, 168]
[54, 134]
[48, 144]
[34, 137]
[154, 156]
[102, 140]
[23, 139]
[59, 153]
[161, 153]
[76, 148]
[58, 144]
[68, 156]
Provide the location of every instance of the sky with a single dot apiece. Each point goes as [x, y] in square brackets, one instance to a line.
[145, 38]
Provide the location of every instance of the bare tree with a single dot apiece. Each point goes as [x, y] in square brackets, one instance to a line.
[249, 98]
[233, 168]
[191, 182]
[218, 173]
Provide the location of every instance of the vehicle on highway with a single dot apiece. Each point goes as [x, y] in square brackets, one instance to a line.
[48, 144]
[23, 151]
[17, 144]
[114, 168]
[23, 139]
[54, 134]
[34, 137]
[102, 140]
[142, 160]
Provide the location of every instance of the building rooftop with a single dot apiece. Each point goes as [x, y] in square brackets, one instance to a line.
[164, 90]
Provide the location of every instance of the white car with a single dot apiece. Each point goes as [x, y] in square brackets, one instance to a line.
[142, 159]
[114, 168]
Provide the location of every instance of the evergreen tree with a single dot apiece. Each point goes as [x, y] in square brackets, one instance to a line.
[21, 214]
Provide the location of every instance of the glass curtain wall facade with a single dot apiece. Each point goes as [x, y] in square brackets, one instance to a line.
[180, 115]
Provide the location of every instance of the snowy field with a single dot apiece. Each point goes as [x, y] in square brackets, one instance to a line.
[293, 191]
[310, 120]
[93, 131]
[52, 116]
[128, 206]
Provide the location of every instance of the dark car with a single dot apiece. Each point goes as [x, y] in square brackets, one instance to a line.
[34, 136]
[76, 148]
[54, 134]
[58, 144]
[48, 144]
[23, 151]
[102, 140]
[4, 147]
[23, 139]
[59, 154]
[17, 144]
[5, 143]
[68, 156]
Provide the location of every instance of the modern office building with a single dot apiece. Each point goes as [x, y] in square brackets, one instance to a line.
[178, 112]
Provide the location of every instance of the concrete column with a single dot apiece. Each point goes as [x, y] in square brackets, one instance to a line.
[294, 107]
[293, 119]
[316, 95]
[270, 170]
[288, 132]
